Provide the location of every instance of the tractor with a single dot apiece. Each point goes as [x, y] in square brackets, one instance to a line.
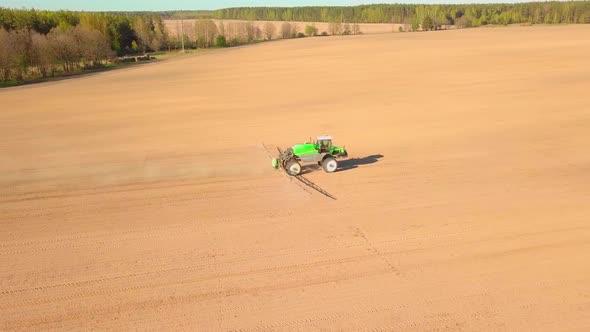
[321, 151]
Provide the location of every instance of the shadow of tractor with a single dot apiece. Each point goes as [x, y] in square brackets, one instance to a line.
[352, 163]
[345, 165]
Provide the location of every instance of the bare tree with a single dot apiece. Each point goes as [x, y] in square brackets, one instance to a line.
[221, 28]
[294, 30]
[335, 28]
[41, 55]
[94, 46]
[156, 43]
[251, 31]
[15, 50]
[7, 56]
[346, 29]
[159, 38]
[64, 47]
[230, 30]
[356, 29]
[243, 32]
[205, 32]
[20, 44]
[269, 30]
[286, 30]
[237, 32]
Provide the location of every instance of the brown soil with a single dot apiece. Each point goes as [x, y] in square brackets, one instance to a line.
[143, 198]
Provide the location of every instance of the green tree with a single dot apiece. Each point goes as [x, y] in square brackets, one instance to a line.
[134, 46]
[565, 12]
[220, 41]
[143, 31]
[427, 23]
[415, 24]
[311, 30]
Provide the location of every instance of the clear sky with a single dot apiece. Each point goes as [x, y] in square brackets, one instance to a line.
[153, 5]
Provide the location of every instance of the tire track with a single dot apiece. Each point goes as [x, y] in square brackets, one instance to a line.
[328, 262]
[153, 200]
[86, 235]
[194, 226]
[132, 187]
[405, 325]
[276, 253]
[358, 312]
[376, 251]
[292, 253]
[96, 243]
[190, 298]
[109, 234]
[236, 291]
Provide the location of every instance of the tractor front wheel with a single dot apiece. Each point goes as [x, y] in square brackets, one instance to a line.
[293, 168]
[329, 165]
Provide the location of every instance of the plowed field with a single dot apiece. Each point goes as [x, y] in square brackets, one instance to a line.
[144, 198]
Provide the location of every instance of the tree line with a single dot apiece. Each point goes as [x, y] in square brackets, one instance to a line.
[45, 43]
[42, 43]
[465, 15]
[208, 33]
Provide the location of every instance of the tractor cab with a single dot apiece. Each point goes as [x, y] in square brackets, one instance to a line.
[324, 143]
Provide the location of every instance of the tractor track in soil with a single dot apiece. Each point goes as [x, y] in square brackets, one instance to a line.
[384, 250]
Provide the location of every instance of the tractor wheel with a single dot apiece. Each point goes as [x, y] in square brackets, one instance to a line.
[293, 168]
[329, 165]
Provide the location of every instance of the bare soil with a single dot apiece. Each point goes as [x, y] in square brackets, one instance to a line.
[143, 198]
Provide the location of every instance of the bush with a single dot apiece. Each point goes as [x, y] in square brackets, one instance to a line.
[134, 46]
[300, 35]
[220, 41]
[324, 34]
[235, 42]
[400, 29]
[311, 30]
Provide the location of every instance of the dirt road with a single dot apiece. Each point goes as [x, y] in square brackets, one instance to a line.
[142, 198]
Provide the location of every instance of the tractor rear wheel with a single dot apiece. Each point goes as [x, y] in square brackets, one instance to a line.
[329, 165]
[293, 168]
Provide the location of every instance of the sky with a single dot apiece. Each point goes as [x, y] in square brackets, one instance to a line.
[153, 5]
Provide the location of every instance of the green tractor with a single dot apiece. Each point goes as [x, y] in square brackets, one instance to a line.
[321, 152]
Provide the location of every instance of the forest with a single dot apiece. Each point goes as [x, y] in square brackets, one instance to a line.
[45, 43]
[465, 15]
